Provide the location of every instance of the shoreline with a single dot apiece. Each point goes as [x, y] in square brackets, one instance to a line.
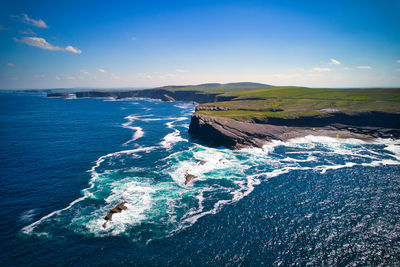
[218, 131]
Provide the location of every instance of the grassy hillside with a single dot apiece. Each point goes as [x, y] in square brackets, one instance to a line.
[294, 102]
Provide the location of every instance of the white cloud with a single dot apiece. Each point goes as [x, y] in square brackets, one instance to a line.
[102, 70]
[133, 38]
[84, 72]
[398, 61]
[346, 68]
[34, 22]
[72, 78]
[43, 44]
[10, 64]
[364, 67]
[335, 62]
[73, 50]
[57, 78]
[318, 69]
[180, 70]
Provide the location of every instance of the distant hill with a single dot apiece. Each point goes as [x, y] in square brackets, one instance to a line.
[218, 87]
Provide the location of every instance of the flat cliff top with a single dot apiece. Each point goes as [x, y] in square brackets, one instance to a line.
[297, 102]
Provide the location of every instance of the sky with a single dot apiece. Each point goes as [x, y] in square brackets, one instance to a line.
[140, 44]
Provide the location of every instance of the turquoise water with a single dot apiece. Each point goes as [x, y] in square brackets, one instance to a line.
[66, 162]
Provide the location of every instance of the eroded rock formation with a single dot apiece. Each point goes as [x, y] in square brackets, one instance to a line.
[119, 208]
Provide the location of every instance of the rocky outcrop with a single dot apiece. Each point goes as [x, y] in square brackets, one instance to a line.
[220, 131]
[189, 177]
[119, 208]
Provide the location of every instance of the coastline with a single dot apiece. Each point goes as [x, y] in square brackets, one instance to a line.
[234, 134]
[218, 131]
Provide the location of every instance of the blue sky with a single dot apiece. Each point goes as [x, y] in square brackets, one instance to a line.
[52, 44]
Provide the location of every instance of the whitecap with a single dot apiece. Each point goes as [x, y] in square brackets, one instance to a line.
[27, 216]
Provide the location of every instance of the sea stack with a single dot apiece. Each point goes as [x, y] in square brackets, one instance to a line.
[119, 208]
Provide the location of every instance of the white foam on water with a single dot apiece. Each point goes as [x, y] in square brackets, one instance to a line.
[27, 216]
[184, 105]
[335, 146]
[148, 118]
[324, 140]
[110, 99]
[220, 164]
[171, 139]
[392, 146]
[29, 228]
[86, 192]
[323, 169]
[139, 198]
[138, 130]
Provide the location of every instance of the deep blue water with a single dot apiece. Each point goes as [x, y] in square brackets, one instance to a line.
[64, 163]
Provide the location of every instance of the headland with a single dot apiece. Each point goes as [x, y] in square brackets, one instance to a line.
[246, 114]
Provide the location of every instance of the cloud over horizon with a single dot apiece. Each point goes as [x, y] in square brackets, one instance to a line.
[43, 44]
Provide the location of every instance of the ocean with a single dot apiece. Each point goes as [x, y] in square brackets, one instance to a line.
[64, 163]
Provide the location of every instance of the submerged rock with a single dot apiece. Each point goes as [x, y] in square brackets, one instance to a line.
[120, 207]
[189, 177]
[201, 162]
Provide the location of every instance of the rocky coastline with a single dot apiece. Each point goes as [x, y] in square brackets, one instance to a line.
[220, 131]
[165, 95]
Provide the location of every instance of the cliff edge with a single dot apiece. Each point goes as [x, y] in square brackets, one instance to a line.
[235, 134]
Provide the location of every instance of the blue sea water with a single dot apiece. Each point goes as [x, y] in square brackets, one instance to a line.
[64, 163]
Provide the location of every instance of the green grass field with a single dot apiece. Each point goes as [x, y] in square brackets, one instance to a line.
[294, 102]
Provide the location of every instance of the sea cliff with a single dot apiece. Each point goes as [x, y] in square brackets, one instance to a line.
[235, 134]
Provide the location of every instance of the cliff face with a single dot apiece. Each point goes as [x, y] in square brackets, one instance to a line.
[49, 94]
[218, 131]
[164, 95]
